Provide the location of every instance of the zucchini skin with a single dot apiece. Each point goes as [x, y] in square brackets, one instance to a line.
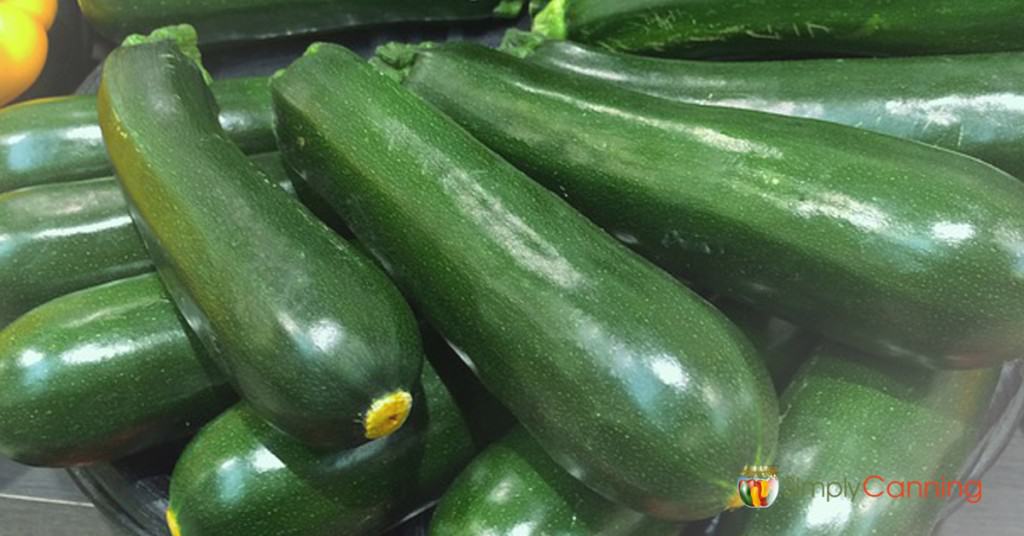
[59, 139]
[311, 332]
[224, 21]
[514, 488]
[971, 104]
[577, 336]
[62, 237]
[766, 209]
[101, 373]
[242, 476]
[786, 28]
[59, 238]
[839, 418]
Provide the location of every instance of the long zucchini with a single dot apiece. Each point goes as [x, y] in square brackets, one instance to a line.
[242, 476]
[860, 438]
[102, 373]
[62, 237]
[313, 334]
[891, 246]
[972, 103]
[224, 21]
[513, 488]
[633, 383]
[59, 139]
[786, 28]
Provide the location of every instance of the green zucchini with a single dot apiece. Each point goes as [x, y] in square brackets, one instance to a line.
[59, 139]
[972, 103]
[62, 237]
[514, 489]
[891, 246]
[224, 21]
[786, 28]
[313, 334]
[242, 476]
[633, 383]
[59, 238]
[102, 373]
[846, 419]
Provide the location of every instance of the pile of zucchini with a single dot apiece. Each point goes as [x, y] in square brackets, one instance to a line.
[552, 287]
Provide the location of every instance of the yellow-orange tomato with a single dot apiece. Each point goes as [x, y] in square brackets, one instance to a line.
[23, 43]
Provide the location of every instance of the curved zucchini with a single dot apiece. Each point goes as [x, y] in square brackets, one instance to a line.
[62, 237]
[848, 417]
[972, 103]
[786, 28]
[891, 246]
[59, 238]
[513, 488]
[314, 335]
[100, 374]
[224, 21]
[59, 139]
[242, 476]
[633, 383]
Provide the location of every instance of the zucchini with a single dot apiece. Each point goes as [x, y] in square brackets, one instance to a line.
[242, 476]
[59, 238]
[633, 383]
[312, 333]
[786, 28]
[514, 489]
[59, 139]
[102, 373]
[847, 418]
[62, 237]
[224, 21]
[891, 246]
[968, 103]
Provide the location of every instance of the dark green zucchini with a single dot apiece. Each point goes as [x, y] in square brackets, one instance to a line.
[848, 419]
[101, 373]
[62, 237]
[973, 104]
[242, 476]
[59, 238]
[313, 334]
[223, 21]
[895, 247]
[513, 488]
[59, 140]
[633, 383]
[786, 28]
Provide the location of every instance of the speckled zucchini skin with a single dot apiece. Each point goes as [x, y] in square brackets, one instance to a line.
[632, 382]
[895, 247]
[968, 103]
[102, 373]
[846, 416]
[787, 28]
[242, 476]
[59, 139]
[58, 238]
[513, 488]
[224, 21]
[62, 237]
[311, 332]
